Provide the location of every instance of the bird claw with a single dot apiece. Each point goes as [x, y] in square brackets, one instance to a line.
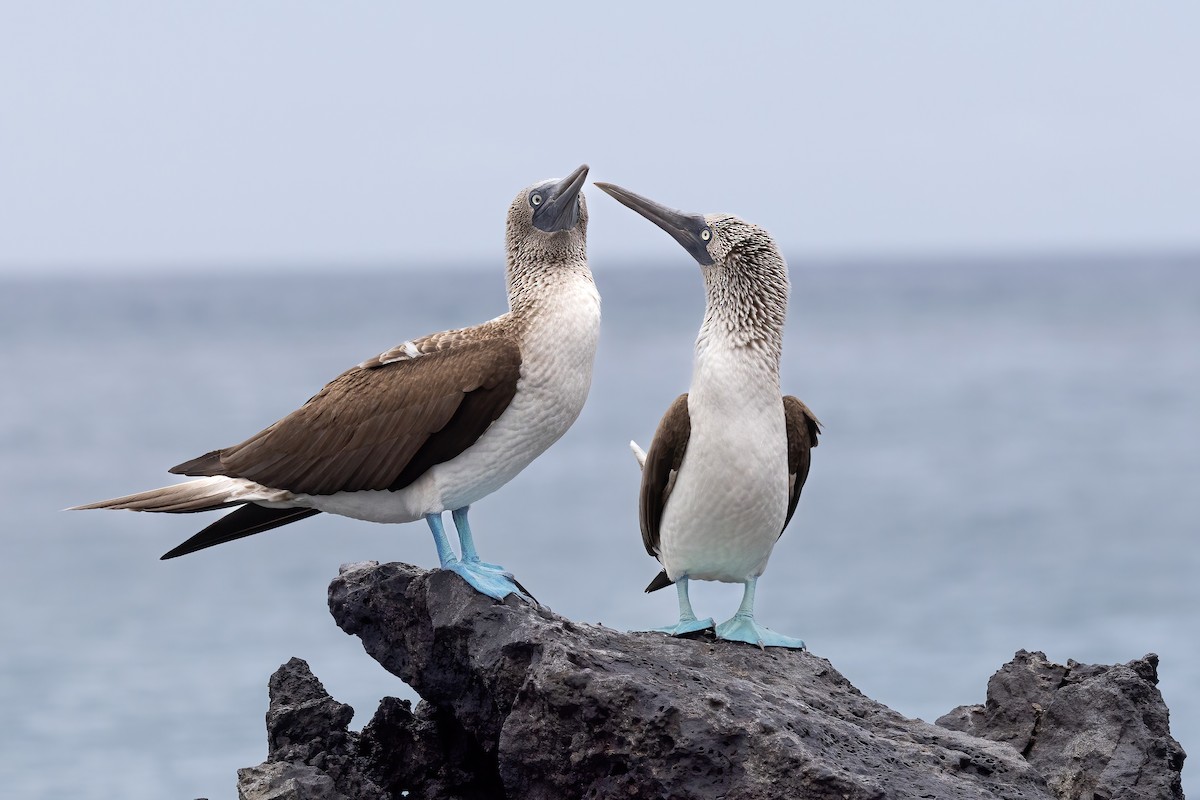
[743, 628]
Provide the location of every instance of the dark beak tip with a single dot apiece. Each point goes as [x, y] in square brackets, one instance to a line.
[577, 175]
[573, 182]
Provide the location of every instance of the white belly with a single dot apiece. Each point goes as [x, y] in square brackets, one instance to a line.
[556, 373]
[730, 498]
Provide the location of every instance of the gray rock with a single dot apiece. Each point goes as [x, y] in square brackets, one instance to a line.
[1093, 731]
[521, 703]
[310, 753]
[563, 710]
[281, 780]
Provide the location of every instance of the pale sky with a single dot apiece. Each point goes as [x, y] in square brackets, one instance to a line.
[158, 136]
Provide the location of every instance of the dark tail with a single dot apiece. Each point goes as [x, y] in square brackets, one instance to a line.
[661, 581]
[246, 521]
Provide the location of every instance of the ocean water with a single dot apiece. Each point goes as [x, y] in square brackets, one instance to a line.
[1011, 459]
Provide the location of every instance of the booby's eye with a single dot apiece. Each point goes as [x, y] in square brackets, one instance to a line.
[535, 199]
[705, 235]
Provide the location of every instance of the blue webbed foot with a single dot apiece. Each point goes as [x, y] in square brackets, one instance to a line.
[477, 564]
[489, 579]
[743, 628]
[495, 583]
[685, 625]
[687, 618]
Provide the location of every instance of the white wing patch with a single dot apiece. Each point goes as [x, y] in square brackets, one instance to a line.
[401, 352]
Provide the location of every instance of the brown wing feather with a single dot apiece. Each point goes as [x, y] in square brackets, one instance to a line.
[802, 430]
[662, 462]
[380, 426]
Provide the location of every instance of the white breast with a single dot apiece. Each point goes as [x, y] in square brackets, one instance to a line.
[557, 353]
[730, 498]
[558, 349]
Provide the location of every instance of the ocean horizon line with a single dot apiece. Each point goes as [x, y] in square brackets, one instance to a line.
[966, 260]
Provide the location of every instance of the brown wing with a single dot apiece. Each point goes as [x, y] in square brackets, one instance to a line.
[802, 430]
[662, 464]
[378, 426]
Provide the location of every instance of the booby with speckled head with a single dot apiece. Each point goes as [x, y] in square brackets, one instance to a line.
[431, 425]
[725, 469]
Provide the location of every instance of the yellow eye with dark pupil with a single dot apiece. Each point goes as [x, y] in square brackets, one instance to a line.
[706, 234]
[536, 199]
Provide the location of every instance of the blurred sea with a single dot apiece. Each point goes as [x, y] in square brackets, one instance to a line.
[1011, 459]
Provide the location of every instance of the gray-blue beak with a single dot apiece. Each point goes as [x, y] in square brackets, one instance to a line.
[559, 210]
[684, 228]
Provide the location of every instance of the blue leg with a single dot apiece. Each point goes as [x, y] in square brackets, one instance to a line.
[687, 618]
[467, 542]
[493, 584]
[445, 553]
[743, 628]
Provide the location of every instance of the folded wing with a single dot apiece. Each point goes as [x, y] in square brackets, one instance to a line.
[802, 429]
[378, 426]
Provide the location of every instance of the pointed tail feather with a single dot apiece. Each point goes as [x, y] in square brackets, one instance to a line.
[246, 521]
[661, 581]
[205, 494]
[638, 453]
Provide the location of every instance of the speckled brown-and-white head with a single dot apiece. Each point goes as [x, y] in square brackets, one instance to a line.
[745, 275]
[547, 222]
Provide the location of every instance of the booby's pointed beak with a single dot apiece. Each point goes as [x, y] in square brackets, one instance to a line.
[559, 210]
[684, 228]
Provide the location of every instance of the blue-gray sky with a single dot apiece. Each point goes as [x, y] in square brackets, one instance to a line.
[159, 136]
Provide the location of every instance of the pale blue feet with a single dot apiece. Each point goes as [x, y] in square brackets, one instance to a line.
[685, 625]
[743, 628]
[494, 584]
[687, 618]
[488, 579]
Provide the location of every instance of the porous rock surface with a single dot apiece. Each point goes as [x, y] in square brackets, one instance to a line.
[518, 702]
[310, 752]
[1093, 731]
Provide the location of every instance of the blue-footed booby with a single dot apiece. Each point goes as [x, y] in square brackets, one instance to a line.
[727, 463]
[431, 425]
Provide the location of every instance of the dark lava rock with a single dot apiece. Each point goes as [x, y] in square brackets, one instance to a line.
[311, 754]
[521, 703]
[563, 710]
[1093, 731]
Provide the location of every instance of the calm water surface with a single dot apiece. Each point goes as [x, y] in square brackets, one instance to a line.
[1010, 460]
